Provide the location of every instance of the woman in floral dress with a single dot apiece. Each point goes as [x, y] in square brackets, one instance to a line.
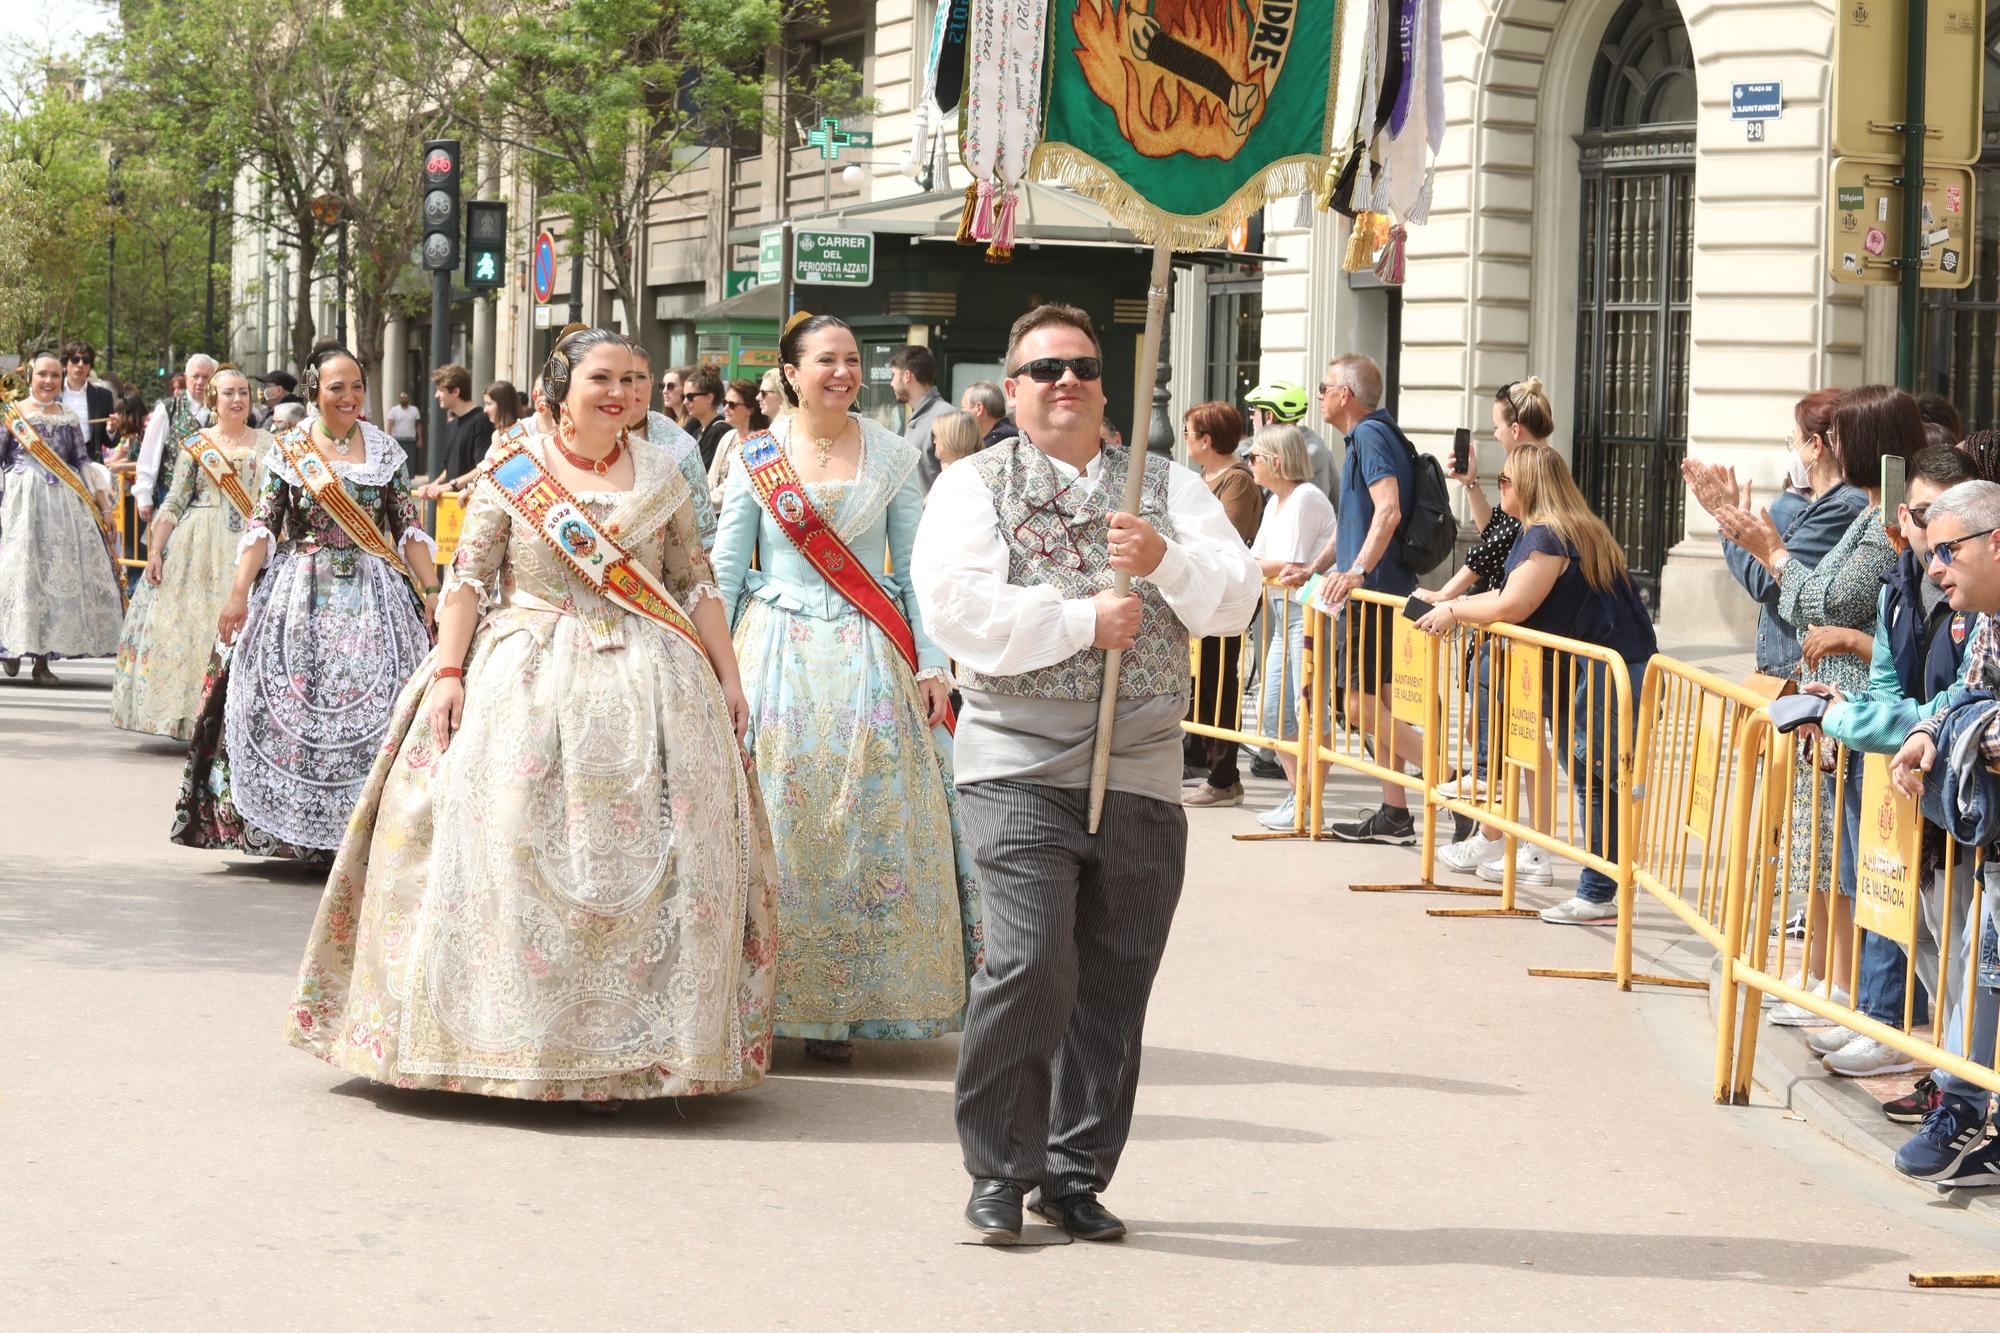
[319, 650]
[170, 630]
[1832, 607]
[58, 583]
[878, 909]
[558, 884]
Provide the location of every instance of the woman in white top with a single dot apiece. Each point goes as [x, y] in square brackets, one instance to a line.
[1298, 523]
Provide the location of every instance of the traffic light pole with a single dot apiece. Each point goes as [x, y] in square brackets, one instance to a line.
[440, 355]
[1910, 263]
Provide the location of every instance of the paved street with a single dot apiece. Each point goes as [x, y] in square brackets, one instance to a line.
[1352, 1116]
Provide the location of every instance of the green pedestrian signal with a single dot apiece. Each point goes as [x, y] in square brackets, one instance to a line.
[485, 243]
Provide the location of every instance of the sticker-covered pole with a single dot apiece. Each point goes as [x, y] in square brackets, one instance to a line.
[1135, 482]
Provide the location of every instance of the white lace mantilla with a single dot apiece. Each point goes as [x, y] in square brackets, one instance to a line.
[377, 466]
[664, 434]
[47, 414]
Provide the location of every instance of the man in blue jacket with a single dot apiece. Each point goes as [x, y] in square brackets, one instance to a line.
[1920, 642]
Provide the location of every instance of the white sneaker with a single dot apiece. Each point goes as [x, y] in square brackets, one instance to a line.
[1797, 979]
[1865, 1056]
[1581, 912]
[1531, 866]
[1825, 1041]
[1464, 857]
[1281, 816]
[1792, 1016]
[1466, 787]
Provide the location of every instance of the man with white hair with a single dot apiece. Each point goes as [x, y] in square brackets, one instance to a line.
[171, 420]
[987, 407]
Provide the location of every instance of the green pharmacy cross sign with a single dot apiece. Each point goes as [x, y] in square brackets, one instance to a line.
[829, 138]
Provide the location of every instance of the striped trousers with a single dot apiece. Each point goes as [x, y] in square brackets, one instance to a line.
[1075, 925]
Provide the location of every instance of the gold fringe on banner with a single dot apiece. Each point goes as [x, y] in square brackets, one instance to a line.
[1074, 169]
[965, 215]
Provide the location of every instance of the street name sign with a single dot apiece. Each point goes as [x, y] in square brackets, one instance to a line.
[833, 258]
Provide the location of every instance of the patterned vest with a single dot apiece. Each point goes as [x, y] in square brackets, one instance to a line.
[180, 420]
[1057, 535]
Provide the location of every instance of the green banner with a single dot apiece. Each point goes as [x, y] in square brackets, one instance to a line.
[1184, 116]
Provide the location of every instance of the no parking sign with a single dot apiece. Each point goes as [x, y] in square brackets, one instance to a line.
[545, 266]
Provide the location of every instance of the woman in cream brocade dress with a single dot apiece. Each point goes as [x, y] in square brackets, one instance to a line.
[163, 656]
[574, 901]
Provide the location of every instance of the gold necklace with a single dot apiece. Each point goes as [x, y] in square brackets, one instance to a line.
[823, 447]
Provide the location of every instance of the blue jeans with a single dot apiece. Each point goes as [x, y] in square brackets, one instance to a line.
[1595, 713]
[1985, 998]
[1481, 675]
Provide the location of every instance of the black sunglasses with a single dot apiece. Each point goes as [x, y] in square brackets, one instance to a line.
[1947, 552]
[76, 360]
[1049, 369]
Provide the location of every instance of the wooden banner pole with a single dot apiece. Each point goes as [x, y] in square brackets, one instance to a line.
[1135, 482]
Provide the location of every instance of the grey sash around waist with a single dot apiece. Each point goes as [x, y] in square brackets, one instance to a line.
[1020, 738]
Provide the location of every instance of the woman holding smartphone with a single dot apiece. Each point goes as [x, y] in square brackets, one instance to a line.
[1522, 415]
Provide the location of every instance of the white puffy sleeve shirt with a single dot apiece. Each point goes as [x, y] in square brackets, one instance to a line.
[960, 563]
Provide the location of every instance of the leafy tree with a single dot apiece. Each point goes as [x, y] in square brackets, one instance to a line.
[263, 87]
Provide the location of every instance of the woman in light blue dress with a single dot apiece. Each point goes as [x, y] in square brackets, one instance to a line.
[878, 910]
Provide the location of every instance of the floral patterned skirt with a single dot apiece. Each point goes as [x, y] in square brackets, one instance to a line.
[205, 815]
[331, 637]
[169, 636]
[878, 905]
[58, 594]
[572, 901]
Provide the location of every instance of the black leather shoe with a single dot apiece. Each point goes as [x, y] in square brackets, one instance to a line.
[1081, 1215]
[995, 1209]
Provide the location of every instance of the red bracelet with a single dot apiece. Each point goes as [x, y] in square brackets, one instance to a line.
[444, 673]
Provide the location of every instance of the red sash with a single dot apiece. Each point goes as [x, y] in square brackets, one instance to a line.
[784, 497]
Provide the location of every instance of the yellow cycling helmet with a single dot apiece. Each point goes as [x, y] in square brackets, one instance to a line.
[1281, 398]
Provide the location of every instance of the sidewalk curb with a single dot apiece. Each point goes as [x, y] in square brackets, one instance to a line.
[1838, 1107]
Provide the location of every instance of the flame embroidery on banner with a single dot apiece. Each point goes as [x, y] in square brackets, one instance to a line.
[1184, 76]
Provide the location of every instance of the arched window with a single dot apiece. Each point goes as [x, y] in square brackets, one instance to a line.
[1636, 156]
[1961, 328]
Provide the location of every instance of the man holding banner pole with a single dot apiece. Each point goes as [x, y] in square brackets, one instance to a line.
[1013, 567]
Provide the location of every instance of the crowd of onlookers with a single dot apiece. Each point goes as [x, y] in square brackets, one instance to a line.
[1888, 618]
[1882, 607]
[1541, 559]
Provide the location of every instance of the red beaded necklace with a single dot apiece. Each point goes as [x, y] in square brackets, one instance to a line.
[566, 430]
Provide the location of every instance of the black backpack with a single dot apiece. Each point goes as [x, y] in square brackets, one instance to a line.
[1429, 531]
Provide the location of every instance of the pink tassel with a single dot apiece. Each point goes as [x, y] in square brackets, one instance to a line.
[982, 213]
[1389, 267]
[1002, 248]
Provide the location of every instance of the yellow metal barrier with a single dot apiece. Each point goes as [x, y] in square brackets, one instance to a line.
[128, 525]
[1500, 708]
[1703, 747]
[1557, 718]
[1365, 649]
[1216, 711]
[1912, 885]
